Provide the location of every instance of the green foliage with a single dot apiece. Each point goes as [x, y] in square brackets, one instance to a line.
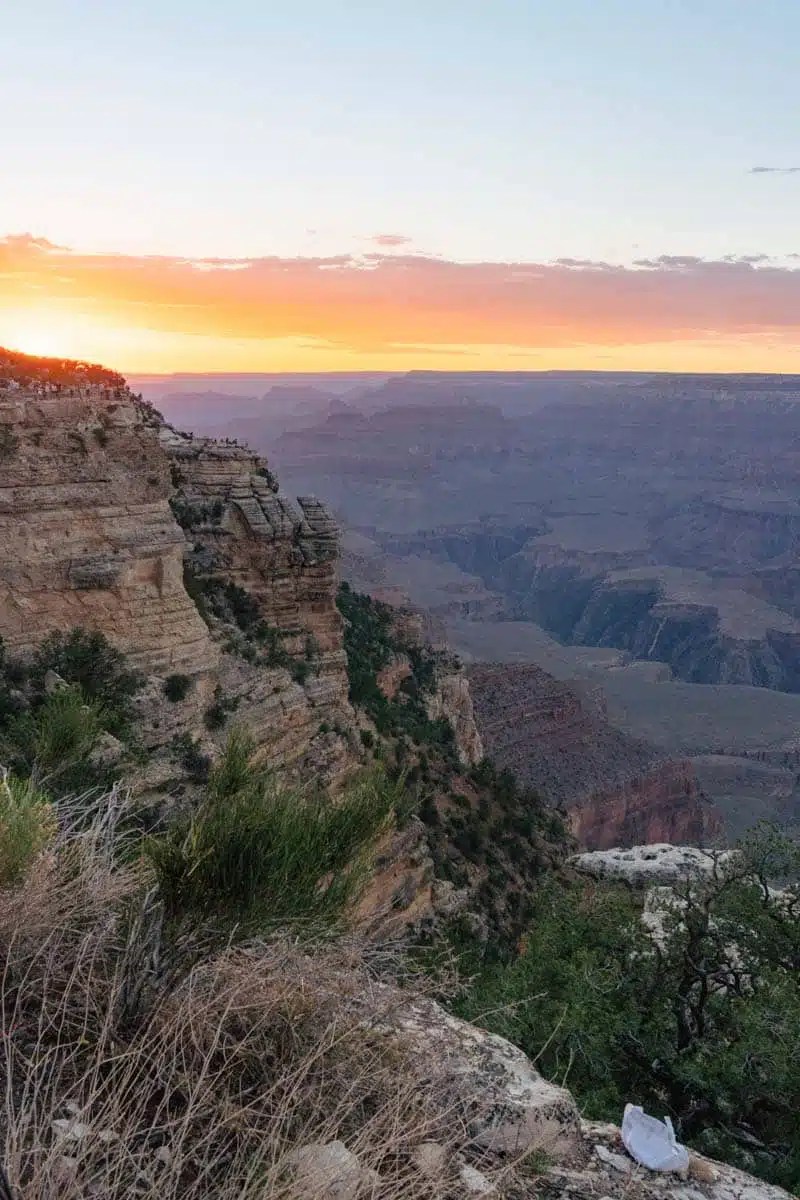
[53, 742]
[27, 825]
[195, 588]
[217, 713]
[467, 818]
[257, 641]
[176, 687]
[51, 734]
[189, 515]
[257, 853]
[371, 645]
[244, 609]
[87, 659]
[186, 750]
[700, 1022]
[271, 639]
[300, 672]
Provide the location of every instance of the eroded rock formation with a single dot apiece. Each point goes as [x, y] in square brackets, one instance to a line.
[86, 532]
[92, 480]
[618, 790]
[450, 698]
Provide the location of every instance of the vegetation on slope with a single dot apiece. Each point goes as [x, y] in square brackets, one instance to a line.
[55, 706]
[247, 633]
[144, 1055]
[145, 946]
[372, 644]
[487, 835]
[254, 852]
[143, 1052]
[700, 1023]
[694, 1012]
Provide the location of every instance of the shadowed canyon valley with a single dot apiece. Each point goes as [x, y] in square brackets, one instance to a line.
[634, 537]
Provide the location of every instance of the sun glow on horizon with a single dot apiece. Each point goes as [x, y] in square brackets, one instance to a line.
[53, 333]
[157, 316]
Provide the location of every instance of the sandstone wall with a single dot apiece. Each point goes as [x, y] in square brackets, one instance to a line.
[88, 538]
[241, 530]
[86, 532]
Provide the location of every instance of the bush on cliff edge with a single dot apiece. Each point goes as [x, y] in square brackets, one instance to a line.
[696, 1015]
[258, 853]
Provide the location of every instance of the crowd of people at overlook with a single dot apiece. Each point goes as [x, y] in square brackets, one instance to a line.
[56, 376]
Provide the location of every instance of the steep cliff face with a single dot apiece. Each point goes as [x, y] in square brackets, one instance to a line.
[91, 483]
[452, 700]
[86, 532]
[619, 791]
[243, 534]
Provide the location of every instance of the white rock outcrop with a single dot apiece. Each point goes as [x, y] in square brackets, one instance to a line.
[508, 1107]
[647, 866]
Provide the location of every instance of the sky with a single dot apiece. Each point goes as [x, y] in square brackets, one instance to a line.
[336, 184]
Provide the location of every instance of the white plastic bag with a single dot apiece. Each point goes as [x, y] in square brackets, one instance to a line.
[652, 1143]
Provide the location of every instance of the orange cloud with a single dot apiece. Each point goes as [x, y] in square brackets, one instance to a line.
[390, 239]
[387, 311]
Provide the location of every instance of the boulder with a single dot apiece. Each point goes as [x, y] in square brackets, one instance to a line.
[329, 1171]
[509, 1109]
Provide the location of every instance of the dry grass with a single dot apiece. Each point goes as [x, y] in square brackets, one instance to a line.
[139, 1062]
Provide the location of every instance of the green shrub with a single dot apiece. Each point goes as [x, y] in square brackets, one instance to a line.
[271, 638]
[300, 671]
[371, 644]
[701, 1025]
[186, 750]
[176, 687]
[86, 658]
[246, 610]
[217, 713]
[53, 742]
[27, 825]
[196, 590]
[189, 515]
[258, 853]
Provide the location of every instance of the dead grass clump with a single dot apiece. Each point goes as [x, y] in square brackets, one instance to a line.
[137, 1061]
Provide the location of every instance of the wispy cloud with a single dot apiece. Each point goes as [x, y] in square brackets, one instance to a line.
[774, 171]
[394, 303]
[388, 240]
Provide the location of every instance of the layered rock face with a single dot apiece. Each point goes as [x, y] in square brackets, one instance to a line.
[241, 528]
[618, 790]
[241, 531]
[86, 532]
[91, 481]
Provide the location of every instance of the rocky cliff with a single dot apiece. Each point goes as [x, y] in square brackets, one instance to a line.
[92, 483]
[449, 698]
[619, 790]
[86, 532]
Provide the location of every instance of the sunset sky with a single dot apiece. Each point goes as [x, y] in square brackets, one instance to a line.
[338, 184]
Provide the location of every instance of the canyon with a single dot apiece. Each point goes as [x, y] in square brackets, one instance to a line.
[617, 790]
[115, 520]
